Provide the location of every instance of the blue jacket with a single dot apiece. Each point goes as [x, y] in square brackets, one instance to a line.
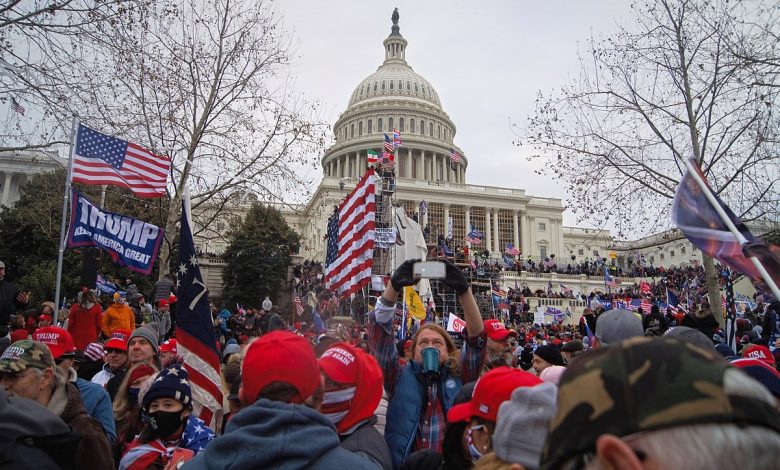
[272, 434]
[98, 405]
[406, 407]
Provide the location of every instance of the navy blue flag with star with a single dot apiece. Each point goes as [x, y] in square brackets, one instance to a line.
[197, 340]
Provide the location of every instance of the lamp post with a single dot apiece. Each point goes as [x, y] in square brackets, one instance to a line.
[267, 304]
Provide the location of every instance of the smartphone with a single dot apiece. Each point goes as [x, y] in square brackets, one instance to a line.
[180, 457]
[429, 270]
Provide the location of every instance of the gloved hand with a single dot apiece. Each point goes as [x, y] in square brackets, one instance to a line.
[455, 279]
[403, 275]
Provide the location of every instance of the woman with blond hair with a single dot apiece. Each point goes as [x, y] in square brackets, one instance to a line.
[127, 410]
[421, 392]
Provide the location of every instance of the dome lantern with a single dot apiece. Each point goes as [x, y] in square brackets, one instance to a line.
[395, 44]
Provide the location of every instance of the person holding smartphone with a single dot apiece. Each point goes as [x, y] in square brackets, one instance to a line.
[422, 392]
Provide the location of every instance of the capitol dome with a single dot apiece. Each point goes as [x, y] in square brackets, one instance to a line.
[395, 97]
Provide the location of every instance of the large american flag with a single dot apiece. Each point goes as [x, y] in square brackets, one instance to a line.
[389, 147]
[298, 305]
[396, 139]
[454, 156]
[350, 253]
[102, 159]
[197, 341]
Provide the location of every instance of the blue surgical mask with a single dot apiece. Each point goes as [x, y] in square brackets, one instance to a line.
[474, 453]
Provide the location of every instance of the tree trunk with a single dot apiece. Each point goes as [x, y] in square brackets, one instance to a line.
[713, 289]
[163, 259]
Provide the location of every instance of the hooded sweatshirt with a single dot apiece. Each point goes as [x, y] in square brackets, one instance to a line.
[117, 317]
[272, 434]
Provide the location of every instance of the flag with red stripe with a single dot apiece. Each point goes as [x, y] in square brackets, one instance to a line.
[101, 159]
[197, 341]
[298, 305]
[350, 253]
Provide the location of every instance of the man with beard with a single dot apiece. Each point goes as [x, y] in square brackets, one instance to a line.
[499, 350]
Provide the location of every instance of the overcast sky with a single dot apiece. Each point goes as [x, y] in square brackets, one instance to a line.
[487, 60]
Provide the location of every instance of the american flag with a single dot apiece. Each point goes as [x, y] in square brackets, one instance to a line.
[102, 159]
[350, 253]
[197, 341]
[699, 220]
[389, 147]
[454, 156]
[17, 107]
[511, 250]
[644, 287]
[298, 305]
[396, 139]
[646, 305]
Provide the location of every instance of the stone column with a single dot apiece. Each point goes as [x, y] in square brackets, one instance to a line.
[488, 237]
[6, 188]
[525, 239]
[338, 167]
[467, 218]
[496, 232]
[515, 232]
[446, 219]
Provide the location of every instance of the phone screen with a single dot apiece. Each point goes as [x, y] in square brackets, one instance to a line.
[429, 270]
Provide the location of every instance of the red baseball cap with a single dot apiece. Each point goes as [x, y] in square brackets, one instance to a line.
[169, 346]
[59, 341]
[45, 317]
[497, 331]
[162, 303]
[118, 340]
[492, 389]
[339, 363]
[762, 353]
[279, 356]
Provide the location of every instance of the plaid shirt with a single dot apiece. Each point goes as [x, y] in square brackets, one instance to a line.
[433, 420]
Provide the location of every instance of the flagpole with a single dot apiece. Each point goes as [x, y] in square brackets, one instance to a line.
[65, 198]
[730, 224]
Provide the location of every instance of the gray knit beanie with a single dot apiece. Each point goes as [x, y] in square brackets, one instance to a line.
[149, 333]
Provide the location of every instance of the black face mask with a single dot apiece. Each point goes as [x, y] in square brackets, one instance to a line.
[165, 423]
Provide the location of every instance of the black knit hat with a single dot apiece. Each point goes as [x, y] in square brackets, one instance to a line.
[551, 354]
[171, 382]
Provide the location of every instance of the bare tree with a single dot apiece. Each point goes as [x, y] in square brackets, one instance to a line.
[664, 88]
[206, 84]
[38, 39]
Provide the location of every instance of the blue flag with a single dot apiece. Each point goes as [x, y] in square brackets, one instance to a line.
[197, 340]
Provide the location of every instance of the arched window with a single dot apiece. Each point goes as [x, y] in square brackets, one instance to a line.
[400, 85]
[391, 85]
[438, 131]
[422, 127]
[401, 125]
[352, 130]
[411, 125]
[416, 88]
[390, 125]
[430, 129]
[360, 128]
[379, 125]
[374, 86]
[370, 126]
[408, 86]
[383, 86]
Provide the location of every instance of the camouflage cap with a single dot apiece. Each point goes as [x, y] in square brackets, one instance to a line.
[644, 384]
[24, 354]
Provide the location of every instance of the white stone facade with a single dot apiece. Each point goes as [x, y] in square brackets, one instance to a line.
[17, 167]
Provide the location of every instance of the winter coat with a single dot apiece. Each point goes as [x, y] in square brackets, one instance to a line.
[33, 438]
[272, 434]
[97, 403]
[406, 408]
[366, 440]
[8, 304]
[163, 321]
[93, 451]
[117, 317]
[84, 324]
[163, 289]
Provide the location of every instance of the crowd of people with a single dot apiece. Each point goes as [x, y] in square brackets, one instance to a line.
[103, 386]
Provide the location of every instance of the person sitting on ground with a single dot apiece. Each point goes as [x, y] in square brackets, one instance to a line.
[28, 370]
[411, 425]
[170, 427]
[644, 402]
[492, 389]
[279, 426]
[353, 388]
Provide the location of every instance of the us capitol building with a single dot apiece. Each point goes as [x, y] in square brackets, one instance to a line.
[396, 97]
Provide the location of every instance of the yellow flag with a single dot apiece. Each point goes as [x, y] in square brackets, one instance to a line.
[414, 303]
